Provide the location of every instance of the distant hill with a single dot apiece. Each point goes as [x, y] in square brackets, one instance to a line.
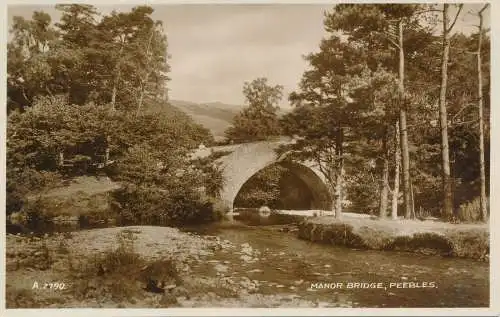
[215, 116]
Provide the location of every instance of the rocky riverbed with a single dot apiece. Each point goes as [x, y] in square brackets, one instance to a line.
[38, 267]
[227, 264]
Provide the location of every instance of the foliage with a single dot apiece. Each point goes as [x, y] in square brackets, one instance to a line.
[154, 205]
[259, 120]
[262, 189]
[120, 58]
[211, 172]
[88, 84]
[351, 85]
[323, 111]
[151, 149]
[24, 182]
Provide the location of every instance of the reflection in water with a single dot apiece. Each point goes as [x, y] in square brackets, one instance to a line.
[285, 264]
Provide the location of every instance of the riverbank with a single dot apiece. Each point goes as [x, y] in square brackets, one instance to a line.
[424, 237]
[227, 264]
[139, 266]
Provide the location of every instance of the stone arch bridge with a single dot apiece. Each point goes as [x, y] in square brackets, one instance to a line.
[245, 160]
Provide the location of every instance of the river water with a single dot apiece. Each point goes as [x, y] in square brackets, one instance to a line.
[283, 264]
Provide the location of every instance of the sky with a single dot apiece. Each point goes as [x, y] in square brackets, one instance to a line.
[216, 48]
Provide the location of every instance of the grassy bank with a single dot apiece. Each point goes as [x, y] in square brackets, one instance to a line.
[425, 237]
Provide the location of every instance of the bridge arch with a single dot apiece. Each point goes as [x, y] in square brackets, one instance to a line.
[245, 160]
[319, 195]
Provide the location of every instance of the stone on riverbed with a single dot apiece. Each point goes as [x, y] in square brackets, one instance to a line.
[221, 268]
[246, 258]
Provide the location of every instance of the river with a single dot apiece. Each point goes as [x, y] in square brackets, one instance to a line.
[283, 264]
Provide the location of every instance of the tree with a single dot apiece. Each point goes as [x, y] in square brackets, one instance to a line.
[443, 117]
[122, 59]
[78, 31]
[259, 120]
[482, 197]
[323, 114]
[397, 164]
[29, 70]
[382, 25]
[262, 189]
[134, 56]
[372, 93]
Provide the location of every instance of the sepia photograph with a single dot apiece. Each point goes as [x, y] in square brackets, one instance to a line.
[247, 155]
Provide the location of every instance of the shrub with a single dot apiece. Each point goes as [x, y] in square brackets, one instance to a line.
[25, 182]
[38, 210]
[153, 205]
[110, 275]
[121, 274]
[263, 188]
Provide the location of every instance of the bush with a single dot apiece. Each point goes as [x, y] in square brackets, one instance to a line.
[153, 205]
[121, 274]
[110, 275]
[22, 183]
[39, 210]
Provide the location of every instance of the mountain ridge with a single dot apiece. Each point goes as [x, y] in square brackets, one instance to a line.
[215, 116]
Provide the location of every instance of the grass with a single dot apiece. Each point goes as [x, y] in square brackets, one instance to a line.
[121, 274]
[84, 185]
[425, 237]
[37, 257]
[24, 298]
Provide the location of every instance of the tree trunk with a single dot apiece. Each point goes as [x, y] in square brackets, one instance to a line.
[412, 202]
[483, 200]
[397, 164]
[144, 80]
[117, 78]
[443, 121]
[405, 152]
[141, 99]
[113, 95]
[61, 158]
[340, 173]
[384, 181]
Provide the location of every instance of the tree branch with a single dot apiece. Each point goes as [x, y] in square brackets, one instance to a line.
[484, 8]
[460, 6]
[464, 122]
[387, 37]
[465, 106]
